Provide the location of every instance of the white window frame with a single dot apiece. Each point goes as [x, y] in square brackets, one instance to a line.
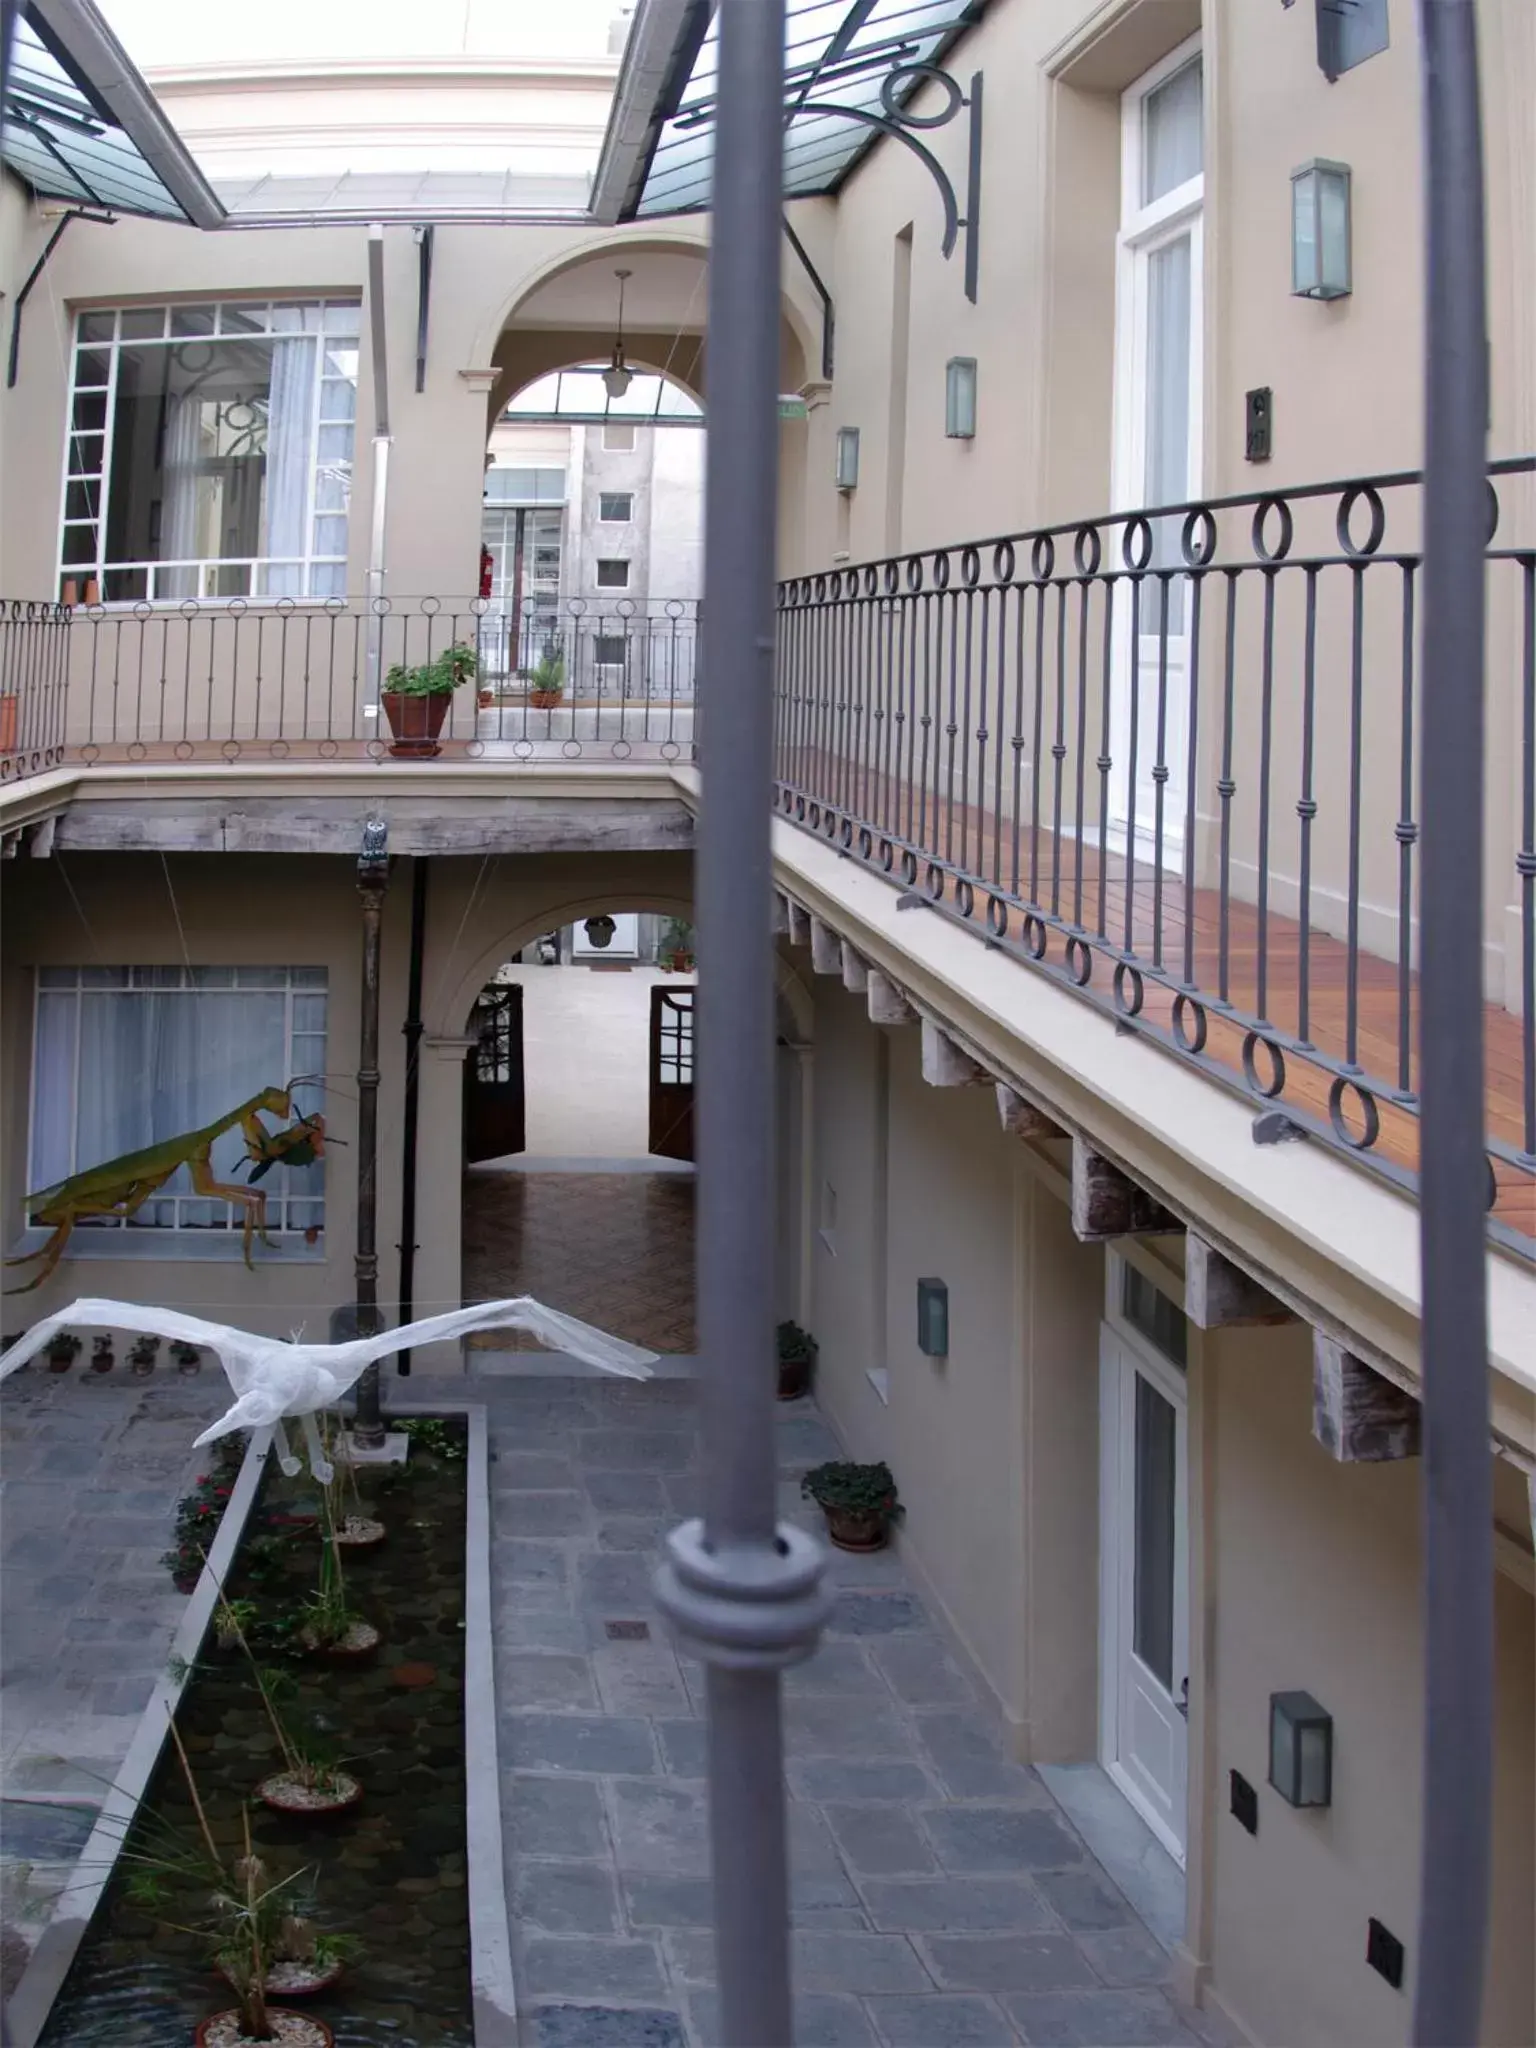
[625, 518]
[100, 568]
[116, 1238]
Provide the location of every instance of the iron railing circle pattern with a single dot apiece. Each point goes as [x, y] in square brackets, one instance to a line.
[919, 74]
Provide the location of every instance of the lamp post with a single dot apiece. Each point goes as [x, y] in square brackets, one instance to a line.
[742, 1591]
[372, 881]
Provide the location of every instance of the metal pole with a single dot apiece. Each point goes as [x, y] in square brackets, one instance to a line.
[379, 507]
[372, 880]
[413, 1029]
[743, 1593]
[1458, 1493]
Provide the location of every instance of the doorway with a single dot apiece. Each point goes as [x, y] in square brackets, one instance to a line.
[1144, 1553]
[1157, 443]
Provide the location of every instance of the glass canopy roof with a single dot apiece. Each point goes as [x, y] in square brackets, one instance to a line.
[79, 125]
[847, 53]
[579, 395]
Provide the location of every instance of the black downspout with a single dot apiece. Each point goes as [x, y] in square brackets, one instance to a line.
[413, 1028]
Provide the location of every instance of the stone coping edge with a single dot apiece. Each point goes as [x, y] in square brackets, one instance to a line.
[30, 2004]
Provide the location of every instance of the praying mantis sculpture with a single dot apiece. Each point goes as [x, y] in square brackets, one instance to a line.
[118, 1187]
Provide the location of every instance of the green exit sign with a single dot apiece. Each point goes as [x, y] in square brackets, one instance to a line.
[791, 406]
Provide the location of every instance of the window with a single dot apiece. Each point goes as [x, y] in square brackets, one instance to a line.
[126, 1057]
[609, 650]
[1147, 1309]
[619, 439]
[612, 574]
[525, 486]
[210, 451]
[615, 508]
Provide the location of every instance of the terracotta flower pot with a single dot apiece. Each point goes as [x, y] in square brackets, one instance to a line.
[545, 700]
[301, 1980]
[794, 1378]
[359, 1643]
[290, 2030]
[284, 1794]
[415, 723]
[60, 1361]
[852, 1529]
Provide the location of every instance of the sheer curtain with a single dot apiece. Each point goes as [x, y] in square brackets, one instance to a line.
[179, 538]
[290, 455]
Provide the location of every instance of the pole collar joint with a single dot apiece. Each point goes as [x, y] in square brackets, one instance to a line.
[744, 1606]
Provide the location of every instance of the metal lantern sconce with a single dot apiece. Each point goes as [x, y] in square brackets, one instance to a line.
[960, 398]
[1300, 1749]
[847, 458]
[933, 1318]
[618, 376]
[1320, 231]
[600, 931]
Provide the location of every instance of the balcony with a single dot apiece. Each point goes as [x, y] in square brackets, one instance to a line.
[1168, 760]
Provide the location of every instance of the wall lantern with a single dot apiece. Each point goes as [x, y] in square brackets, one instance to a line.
[933, 1318]
[1320, 252]
[1300, 1749]
[960, 398]
[847, 458]
[600, 931]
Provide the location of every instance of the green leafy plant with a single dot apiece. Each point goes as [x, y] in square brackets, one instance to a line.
[142, 1353]
[547, 676]
[797, 1347]
[430, 1433]
[199, 1513]
[439, 677]
[865, 1491]
[232, 1622]
[64, 1348]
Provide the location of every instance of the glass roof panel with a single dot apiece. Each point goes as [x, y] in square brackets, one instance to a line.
[839, 54]
[63, 141]
[578, 395]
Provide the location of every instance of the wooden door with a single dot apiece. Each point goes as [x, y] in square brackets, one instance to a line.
[493, 1075]
[671, 1133]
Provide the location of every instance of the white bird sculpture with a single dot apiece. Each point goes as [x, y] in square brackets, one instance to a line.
[272, 1378]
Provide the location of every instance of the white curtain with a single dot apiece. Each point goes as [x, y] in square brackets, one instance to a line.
[290, 457]
[180, 540]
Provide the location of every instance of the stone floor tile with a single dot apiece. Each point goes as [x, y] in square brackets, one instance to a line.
[970, 1762]
[956, 1904]
[524, 1679]
[875, 1614]
[646, 1683]
[1125, 1956]
[1001, 1838]
[945, 2020]
[635, 1450]
[840, 1778]
[582, 1966]
[643, 1533]
[553, 1816]
[602, 1743]
[1085, 1900]
[684, 1748]
[840, 1668]
[668, 1901]
[606, 2026]
[821, 2020]
[1006, 1962]
[921, 1672]
[880, 1840]
[566, 1898]
[825, 1725]
[1099, 2019]
[659, 1828]
[616, 1583]
[514, 1629]
[537, 1471]
[541, 1514]
[858, 1963]
[625, 1493]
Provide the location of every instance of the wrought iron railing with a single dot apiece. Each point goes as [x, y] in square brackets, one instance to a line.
[1168, 757]
[34, 655]
[288, 680]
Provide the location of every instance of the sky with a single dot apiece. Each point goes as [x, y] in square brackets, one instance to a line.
[165, 33]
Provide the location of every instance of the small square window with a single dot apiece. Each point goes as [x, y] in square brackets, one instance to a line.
[1147, 1309]
[612, 575]
[619, 439]
[615, 508]
[608, 650]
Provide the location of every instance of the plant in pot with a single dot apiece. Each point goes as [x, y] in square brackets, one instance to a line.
[344, 1520]
[63, 1350]
[142, 1354]
[416, 700]
[674, 950]
[797, 1361]
[311, 1781]
[332, 1627]
[546, 679]
[189, 1359]
[103, 1357]
[859, 1502]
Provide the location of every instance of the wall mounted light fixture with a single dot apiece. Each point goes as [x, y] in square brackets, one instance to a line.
[1320, 231]
[933, 1318]
[1300, 1749]
[960, 398]
[618, 376]
[847, 458]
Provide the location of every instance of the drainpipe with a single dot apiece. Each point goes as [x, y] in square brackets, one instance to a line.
[742, 1590]
[1453, 1170]
[372, 881]
[373, 678]
[413, 1029]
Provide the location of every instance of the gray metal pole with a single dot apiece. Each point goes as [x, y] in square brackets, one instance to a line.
[742, 1592]
[372, 880]
[1458, 1490]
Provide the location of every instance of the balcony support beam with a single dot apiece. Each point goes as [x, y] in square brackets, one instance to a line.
[946, 1064]
[1107, 1203]
[887, 1004]
[855, 971]
[1221, 1296]
[799, 924]
[826, 949]
[1359, 1417]
[1021, 1119]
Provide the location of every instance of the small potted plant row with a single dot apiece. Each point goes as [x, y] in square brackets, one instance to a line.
[797, 1361]
[859, 1502]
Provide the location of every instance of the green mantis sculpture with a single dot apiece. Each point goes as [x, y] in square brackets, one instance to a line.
[118, 1187]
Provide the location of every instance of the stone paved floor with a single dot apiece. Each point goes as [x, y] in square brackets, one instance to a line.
[91, 1469]
[941, 1898]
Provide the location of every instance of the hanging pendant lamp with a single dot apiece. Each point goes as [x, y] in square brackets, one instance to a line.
[618, 375]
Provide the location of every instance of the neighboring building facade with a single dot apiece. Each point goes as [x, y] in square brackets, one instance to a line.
[1164, 1466]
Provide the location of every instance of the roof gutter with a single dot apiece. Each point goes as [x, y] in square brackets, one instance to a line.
[109, 73]
[664, 40]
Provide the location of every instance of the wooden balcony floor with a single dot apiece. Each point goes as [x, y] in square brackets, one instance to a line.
[1062, 874]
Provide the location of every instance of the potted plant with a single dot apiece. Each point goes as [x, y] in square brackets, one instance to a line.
[63, 1350]
[331, 1627]
[103, 1357]
[142, 1354]
[311, 1781]
[797, 1361]
[859, 1502]
[189, 1359]
[546, 679]
[674, 951]
[416, 700]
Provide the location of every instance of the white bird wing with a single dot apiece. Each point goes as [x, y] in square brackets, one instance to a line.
[559, 1331]
[122, 1315]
